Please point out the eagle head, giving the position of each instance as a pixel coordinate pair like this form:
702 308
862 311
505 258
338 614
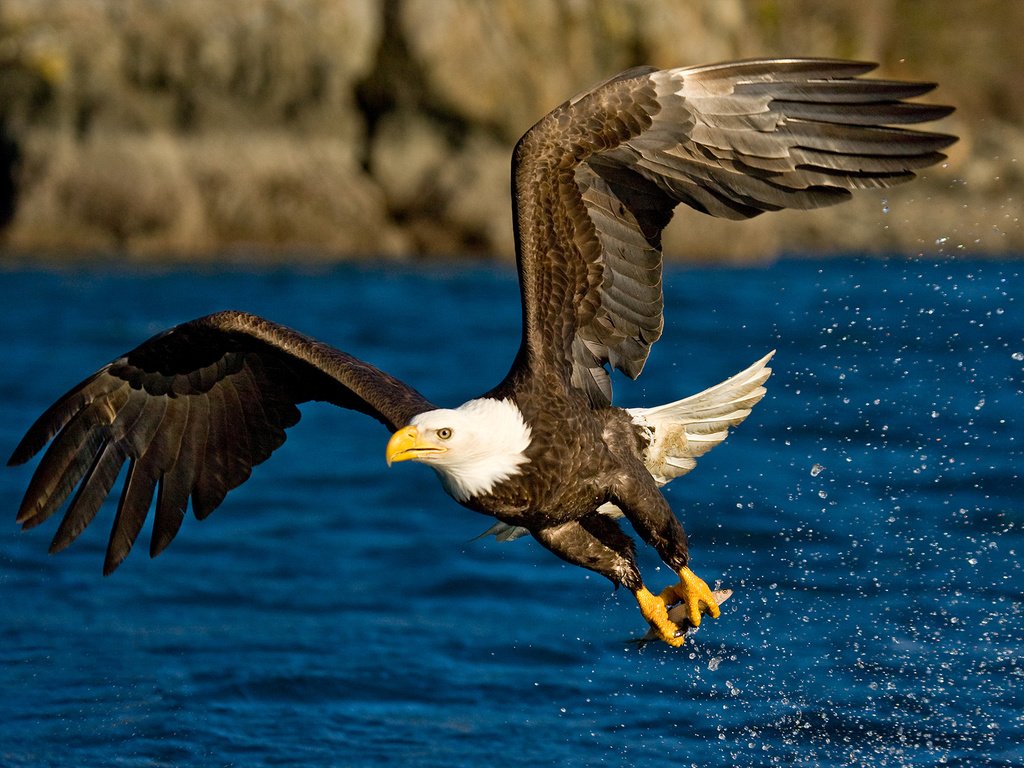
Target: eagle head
471 447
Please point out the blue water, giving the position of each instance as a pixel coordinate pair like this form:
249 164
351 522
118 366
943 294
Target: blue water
868 515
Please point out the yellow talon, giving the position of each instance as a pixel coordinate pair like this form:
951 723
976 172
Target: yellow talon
696 598
654 610
694 593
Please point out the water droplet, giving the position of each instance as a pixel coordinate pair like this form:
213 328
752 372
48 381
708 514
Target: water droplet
817 469
1018 356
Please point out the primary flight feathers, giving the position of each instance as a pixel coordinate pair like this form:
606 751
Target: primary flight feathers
597 179
192 410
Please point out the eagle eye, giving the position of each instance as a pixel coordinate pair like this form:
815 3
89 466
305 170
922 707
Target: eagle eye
444 433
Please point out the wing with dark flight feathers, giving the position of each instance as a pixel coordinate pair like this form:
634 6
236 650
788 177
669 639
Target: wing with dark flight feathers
192 411
596 181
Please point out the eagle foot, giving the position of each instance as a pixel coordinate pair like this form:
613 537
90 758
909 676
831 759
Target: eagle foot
654 609
692 592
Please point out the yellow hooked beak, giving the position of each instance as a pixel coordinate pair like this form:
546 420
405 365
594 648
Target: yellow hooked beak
407 443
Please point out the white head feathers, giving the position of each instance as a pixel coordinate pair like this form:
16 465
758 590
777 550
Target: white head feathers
485 442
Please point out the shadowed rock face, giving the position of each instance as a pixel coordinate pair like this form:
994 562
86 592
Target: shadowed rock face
10 157
364 128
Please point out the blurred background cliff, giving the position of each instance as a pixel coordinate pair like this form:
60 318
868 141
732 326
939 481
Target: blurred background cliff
328 129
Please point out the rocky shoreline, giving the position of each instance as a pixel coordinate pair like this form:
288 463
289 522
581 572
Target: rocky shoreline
360 129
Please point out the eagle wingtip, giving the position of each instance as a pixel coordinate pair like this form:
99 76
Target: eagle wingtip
22 453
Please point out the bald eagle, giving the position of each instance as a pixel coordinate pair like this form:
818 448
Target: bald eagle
195 408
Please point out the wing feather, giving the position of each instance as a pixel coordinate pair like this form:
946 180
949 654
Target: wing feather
94 488
211 483
178 473
136 496
192 411
597 179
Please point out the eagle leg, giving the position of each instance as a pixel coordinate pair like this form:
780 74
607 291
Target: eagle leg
694 593
654 609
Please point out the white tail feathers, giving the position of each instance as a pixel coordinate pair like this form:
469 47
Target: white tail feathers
682 431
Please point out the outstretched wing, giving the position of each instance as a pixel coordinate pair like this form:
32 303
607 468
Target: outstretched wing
596 181
192 411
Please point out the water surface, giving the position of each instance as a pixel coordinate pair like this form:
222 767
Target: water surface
868 516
